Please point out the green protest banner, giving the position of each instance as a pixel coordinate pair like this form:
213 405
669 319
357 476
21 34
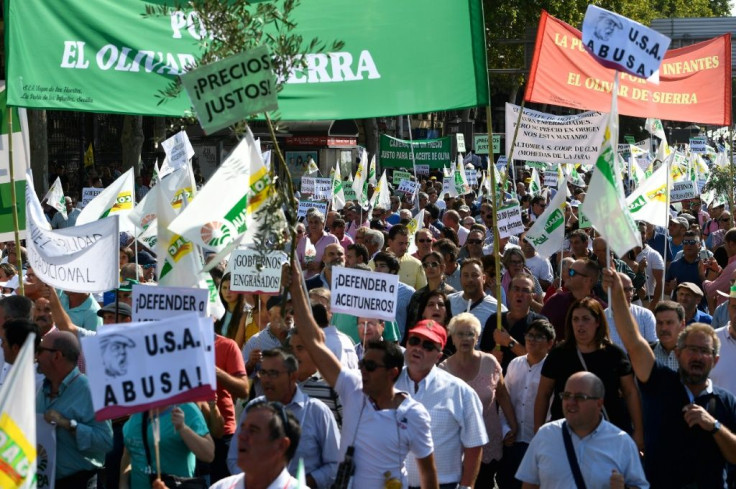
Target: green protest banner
480 143
496 144
400 175
109 57
396 153
229 90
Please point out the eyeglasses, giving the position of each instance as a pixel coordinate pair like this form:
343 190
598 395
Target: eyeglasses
43 348
424 240
369 365
628 289
474 241
464 334
430 264
426 344
535 337
699 350
572 272
569 396
690 242
270 374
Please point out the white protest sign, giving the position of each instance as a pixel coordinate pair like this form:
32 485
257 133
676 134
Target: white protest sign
697 144
46 451
89 193
623 44
460 138
255 273
178 152
78 259
152 303
551 177
308 185
305 205
555 138
472 176
448 187
363 293
322 188
133 367
422 170
684 190
509 221
408 187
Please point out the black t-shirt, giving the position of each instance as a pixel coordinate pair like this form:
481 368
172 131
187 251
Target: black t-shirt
675 454
516 330
609 364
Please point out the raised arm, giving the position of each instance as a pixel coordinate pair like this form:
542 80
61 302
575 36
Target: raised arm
642 356
314 338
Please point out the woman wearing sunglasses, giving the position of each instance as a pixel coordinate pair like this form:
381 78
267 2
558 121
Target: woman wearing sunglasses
434 269
588 347
482 372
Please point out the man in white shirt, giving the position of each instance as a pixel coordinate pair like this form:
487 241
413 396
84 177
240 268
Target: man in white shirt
269 436
451 219
539 266
522 381
458 429
473 298
654 286
606 455
643 316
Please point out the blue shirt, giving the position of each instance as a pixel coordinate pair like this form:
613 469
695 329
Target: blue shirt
318 445
700 317
85 448
659 243
85 314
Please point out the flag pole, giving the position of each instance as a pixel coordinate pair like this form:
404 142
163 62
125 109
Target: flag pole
509 162
14 198
413 163
496 247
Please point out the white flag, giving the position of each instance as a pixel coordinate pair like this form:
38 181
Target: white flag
18 421
224 208
381 194
548 231
607 210
416 223
535 186
360 182
178 151
372 172
117 199
55 197
177 188
651 201
338 194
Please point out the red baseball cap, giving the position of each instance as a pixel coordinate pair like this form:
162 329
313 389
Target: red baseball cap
431 330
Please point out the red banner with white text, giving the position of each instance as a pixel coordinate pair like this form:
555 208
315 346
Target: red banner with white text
695 81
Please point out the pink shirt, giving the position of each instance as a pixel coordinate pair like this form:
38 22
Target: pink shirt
722 283
320 245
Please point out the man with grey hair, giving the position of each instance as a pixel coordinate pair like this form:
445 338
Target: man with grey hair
373 241
451 219
66 402
611 456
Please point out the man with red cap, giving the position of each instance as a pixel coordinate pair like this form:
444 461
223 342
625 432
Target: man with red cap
458 430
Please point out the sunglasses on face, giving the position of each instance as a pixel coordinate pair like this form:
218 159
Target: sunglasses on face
369 365
424 240
572 272
426 344
431 264
474 241
690 242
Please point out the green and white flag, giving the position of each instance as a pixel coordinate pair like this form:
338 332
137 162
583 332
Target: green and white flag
651 201
117 199
535 186
55 198
177 189
381 194
548 232
637 174
360 182
21 163
338 196
461 180
372 171
225 207
607 211
655 128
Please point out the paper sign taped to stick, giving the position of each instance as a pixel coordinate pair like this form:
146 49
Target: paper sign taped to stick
178 152
229 90
153 303
422 170
623 44
362 293
322 188
305 205
89 193
509 221
255 273
551 177
697 144
139 366
684 190
408 187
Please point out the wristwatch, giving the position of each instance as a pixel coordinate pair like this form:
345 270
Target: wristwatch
463 487
512 344
72 424
716 427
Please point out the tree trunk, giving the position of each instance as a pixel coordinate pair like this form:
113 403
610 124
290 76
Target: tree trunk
370 127
132 142
37 126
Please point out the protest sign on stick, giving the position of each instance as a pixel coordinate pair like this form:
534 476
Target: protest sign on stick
362 293
153 303
253 272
